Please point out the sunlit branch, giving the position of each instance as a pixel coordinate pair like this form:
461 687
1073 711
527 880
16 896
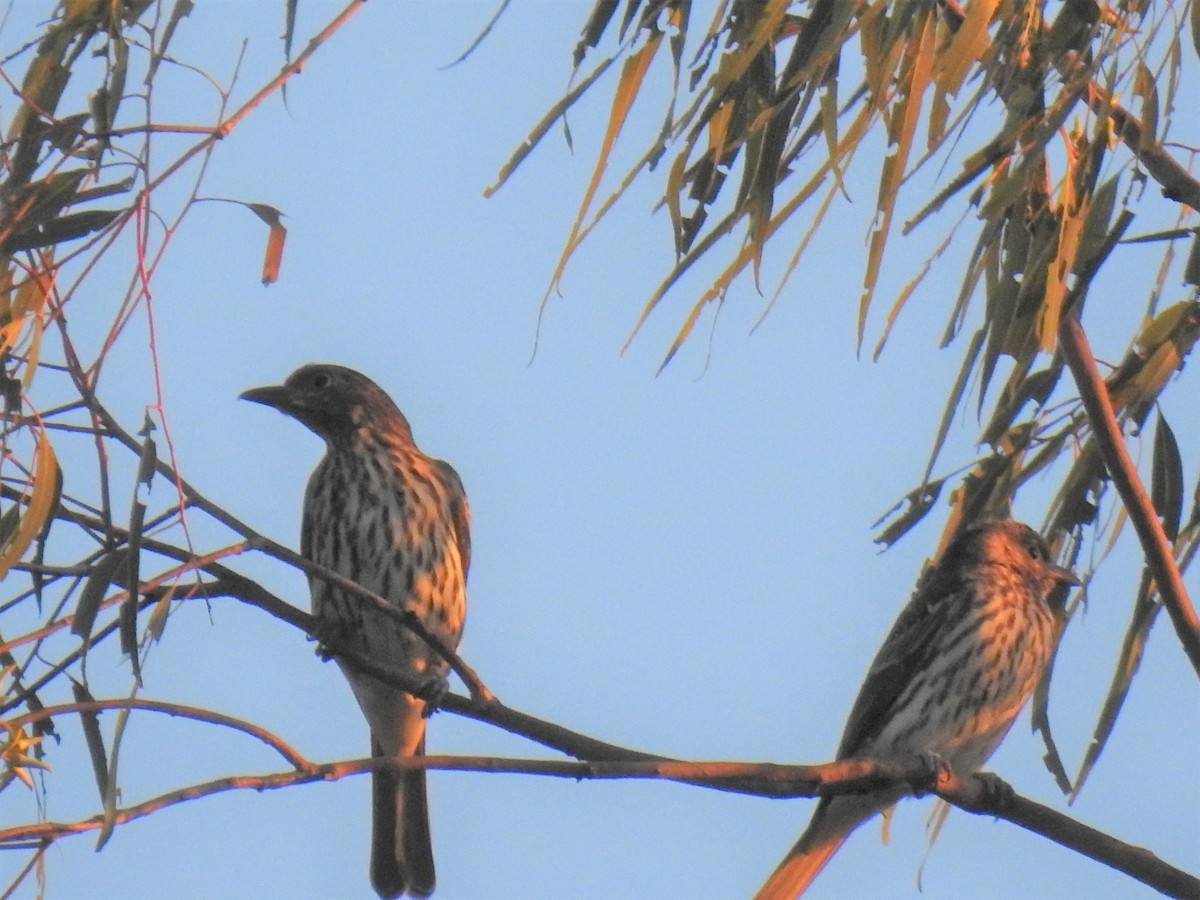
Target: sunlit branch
179 710
980 794
1159 556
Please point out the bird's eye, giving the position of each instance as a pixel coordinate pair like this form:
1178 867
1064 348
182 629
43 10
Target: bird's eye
321 380
1035 552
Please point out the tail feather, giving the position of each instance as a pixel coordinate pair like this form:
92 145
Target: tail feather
387 873
414 841
832 822
401 847
799 868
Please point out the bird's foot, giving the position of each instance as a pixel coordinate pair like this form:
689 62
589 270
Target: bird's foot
434 690
997 793
932 766
328 634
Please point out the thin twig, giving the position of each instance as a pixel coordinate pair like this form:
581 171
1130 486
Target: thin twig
180 710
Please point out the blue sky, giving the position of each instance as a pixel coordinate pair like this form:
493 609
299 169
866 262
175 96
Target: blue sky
681 563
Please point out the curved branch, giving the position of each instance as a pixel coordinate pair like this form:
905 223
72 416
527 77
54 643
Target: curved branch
980 794
976 795
1160 558
181 710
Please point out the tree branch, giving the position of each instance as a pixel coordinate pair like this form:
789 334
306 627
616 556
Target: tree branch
1177 183
975 795
1160 558
180 710
979 794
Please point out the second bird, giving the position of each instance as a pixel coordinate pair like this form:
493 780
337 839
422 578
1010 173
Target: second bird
952 675
383 514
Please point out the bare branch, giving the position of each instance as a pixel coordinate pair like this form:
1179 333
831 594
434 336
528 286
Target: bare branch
980 794
1159 556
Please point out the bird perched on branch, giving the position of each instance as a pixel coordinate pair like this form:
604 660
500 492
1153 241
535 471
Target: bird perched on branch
383 514
960 662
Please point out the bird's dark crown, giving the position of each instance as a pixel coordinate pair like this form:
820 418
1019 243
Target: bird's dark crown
1010 544
333 401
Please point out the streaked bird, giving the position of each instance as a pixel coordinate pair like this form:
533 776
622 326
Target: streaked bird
382 513
956 668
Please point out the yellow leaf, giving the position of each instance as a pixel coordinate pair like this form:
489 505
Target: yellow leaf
1056 281
850 142
44 493
967 46
718 128
904 127
674 188
28 299
1144 86
767 22
34 353
632 73
1163 325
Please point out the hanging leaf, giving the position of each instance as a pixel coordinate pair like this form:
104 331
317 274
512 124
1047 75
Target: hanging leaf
912 508
1146 87
1166 479
1039 716
278 234
90 722
108 569
44 492
892 171
632 74
969 45
1133 647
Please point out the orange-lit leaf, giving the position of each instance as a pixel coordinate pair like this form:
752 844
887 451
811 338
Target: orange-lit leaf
967 47
632 73
275 241
1056 281
892 169
42 499
539 131
718 128
1145 86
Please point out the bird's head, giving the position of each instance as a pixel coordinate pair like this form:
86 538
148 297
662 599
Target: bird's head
1014 546
333 402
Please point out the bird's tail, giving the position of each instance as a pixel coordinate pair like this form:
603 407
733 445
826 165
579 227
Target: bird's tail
800 867
835 818
401 846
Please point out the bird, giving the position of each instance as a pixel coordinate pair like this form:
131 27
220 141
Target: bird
962 658
380 512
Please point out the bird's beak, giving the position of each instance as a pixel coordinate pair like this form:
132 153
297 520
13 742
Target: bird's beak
275 396
1062 573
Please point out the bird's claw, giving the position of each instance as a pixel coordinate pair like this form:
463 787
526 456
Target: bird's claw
932 766
433 692
997 793
328 634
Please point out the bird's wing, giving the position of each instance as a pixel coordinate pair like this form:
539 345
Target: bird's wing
460 512
904 653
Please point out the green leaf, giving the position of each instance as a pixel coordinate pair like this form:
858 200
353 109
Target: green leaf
1145 611
912 508
1166 479
90 723
107 570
